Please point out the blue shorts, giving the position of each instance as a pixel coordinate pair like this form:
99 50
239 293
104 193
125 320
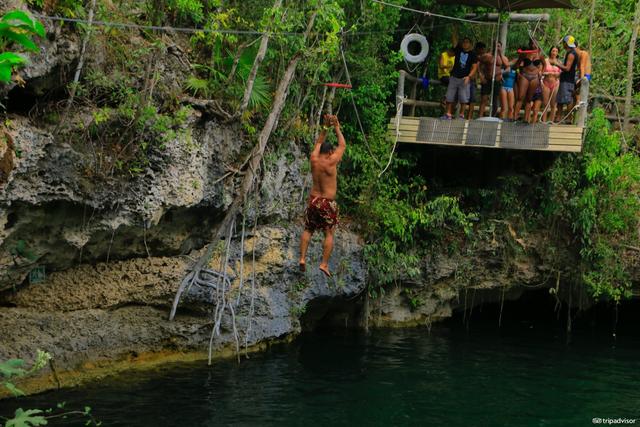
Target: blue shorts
565 93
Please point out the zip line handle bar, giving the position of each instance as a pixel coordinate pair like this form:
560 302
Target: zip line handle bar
337 85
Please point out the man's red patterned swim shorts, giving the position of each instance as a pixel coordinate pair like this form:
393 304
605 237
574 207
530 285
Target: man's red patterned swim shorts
321 214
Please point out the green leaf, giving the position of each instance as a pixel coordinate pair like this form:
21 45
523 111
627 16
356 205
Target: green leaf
12 59
38 28
13 389
17 15
18 18
22 40
5 73
12 367
28 418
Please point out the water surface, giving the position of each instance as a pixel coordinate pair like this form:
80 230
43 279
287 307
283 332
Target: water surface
514 376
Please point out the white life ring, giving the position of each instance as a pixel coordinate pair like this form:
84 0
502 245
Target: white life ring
424 47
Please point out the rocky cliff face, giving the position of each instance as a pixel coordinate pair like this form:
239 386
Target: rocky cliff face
494 271
90 271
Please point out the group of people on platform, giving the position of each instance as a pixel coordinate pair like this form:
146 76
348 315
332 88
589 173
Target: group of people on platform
546 86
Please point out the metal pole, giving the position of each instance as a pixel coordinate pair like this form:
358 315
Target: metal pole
504 29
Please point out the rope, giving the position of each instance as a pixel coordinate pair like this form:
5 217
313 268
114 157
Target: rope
533 33
193 30
575 107
436 15
546 107
355 108
400 104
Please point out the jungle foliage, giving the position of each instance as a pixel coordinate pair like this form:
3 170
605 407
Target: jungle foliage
597 196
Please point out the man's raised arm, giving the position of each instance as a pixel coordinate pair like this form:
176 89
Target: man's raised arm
342 145
454 36
319 141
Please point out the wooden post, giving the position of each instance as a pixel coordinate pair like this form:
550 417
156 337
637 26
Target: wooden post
584 98
504 30
414 91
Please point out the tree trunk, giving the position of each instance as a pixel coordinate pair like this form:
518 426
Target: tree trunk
632 48
262 50
76 77
593 12
251 173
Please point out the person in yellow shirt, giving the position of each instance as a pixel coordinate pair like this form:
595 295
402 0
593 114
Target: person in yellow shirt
445 65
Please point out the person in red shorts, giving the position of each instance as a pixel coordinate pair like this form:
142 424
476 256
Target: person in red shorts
322 209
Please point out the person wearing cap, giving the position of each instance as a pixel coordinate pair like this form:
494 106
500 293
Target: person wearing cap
479 49
567 74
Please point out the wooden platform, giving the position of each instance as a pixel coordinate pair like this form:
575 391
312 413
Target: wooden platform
477 133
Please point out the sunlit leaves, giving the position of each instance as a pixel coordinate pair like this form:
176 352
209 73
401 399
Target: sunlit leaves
17 27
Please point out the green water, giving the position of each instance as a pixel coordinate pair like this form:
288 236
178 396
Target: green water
519 375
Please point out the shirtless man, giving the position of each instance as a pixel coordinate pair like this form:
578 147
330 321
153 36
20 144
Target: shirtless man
322 210
486 67
583 71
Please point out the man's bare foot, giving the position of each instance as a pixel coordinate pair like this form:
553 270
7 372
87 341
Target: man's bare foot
325 270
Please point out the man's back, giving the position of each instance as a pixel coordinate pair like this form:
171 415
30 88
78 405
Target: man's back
584 62
324 172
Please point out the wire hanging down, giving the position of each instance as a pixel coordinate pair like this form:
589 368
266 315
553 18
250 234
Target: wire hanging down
355 108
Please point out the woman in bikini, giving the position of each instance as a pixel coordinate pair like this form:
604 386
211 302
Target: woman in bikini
529 63
551 82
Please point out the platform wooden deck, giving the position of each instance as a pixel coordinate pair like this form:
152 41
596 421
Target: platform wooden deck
477 133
